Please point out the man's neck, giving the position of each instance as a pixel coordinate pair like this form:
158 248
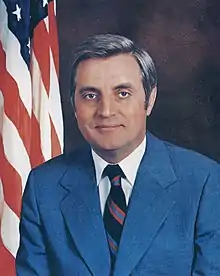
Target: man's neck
115 156
111 157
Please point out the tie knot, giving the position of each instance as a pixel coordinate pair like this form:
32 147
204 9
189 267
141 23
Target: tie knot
114 173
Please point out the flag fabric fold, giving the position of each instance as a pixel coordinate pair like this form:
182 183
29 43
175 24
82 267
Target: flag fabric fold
31 123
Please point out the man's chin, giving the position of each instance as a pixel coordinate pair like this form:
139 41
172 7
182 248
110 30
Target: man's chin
107 148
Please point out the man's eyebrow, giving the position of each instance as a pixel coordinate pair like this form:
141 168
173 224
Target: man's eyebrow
84 89
125 85
89 89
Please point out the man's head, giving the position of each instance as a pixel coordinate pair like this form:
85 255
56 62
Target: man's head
107 45
113 86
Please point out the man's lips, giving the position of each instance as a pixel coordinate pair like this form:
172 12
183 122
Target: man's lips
107 127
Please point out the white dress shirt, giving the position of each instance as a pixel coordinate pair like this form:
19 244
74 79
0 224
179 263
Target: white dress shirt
129 165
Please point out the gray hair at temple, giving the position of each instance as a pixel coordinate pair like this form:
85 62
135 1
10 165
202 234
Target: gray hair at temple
107 45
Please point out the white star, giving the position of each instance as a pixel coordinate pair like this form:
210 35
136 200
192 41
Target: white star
17 12
45 2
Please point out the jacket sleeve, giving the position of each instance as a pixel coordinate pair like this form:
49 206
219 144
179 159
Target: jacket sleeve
207 230
31 259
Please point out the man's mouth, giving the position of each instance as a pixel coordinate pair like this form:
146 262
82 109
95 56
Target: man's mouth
107 127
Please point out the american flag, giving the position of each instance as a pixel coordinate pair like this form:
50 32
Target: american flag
31 124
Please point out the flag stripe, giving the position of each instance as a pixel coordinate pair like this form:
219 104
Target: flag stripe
11 182
7 260
54 103
53 36
9 230
41 108
19 115
41 52
36 151
56 149
13 148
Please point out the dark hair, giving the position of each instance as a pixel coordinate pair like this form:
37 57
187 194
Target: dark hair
107 45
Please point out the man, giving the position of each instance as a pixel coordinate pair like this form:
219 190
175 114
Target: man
129 203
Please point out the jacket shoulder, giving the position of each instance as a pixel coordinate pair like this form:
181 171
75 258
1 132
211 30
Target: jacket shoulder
185 160
189 157
56 167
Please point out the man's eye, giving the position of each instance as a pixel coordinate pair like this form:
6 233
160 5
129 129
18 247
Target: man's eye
124 94
90 96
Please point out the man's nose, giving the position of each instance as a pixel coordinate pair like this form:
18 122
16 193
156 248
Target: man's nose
106 107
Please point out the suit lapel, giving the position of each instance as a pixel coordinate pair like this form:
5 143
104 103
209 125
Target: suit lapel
82 214
150 203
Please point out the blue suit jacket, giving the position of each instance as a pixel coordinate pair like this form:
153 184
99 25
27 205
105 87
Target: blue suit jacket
172 225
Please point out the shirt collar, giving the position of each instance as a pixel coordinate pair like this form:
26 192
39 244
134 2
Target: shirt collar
129 165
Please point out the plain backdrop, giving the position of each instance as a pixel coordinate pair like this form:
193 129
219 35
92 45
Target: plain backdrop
183 38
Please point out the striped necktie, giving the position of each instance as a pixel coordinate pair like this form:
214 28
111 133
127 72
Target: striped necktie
115 209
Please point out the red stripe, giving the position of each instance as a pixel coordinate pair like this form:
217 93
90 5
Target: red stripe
118 209
114 215
36 155
7 262
13 105
40 44
11 181
112 245
115 178
55 144
53 35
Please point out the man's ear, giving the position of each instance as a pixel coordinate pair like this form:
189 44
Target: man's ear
151 100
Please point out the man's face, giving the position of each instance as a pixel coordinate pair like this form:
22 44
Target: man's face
110 104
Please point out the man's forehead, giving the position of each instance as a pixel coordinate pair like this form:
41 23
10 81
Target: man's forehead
113 66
